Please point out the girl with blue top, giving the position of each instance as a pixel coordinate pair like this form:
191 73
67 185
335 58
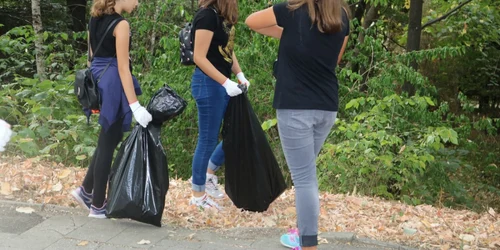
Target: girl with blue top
118 89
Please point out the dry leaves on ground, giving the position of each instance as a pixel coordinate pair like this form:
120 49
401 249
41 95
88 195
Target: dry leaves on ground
422 226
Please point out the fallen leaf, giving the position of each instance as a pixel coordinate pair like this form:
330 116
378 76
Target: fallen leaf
58 187
190 237
63 174
5 189
83 243
402 149
467 237
445 247
47 199
494 244
409 231
25 210
144 242
491 228
426 223
492 212
290 210
322 240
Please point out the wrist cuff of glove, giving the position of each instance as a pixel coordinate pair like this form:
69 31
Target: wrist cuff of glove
240 76
134 106
226 82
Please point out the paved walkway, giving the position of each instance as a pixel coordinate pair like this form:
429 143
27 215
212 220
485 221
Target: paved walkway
52 227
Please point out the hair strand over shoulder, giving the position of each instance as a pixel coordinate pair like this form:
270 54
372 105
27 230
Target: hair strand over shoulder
326 14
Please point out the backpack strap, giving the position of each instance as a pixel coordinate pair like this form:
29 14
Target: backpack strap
102 39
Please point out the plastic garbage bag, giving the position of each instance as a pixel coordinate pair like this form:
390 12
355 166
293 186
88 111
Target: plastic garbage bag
253 178
139 178
165 105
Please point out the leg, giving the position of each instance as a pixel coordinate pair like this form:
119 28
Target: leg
88 181
211 100
106 145
216 160
322 129
297 139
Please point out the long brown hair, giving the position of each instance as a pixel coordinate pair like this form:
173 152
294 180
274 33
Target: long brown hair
226 8
102 7
326 14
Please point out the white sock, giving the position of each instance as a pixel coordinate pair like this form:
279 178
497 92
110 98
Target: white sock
200 198
209 176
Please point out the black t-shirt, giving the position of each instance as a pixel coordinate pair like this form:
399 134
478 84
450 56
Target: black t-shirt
97 27
307 60
221 48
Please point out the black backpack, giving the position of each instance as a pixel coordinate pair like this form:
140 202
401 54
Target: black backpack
85 87
186 42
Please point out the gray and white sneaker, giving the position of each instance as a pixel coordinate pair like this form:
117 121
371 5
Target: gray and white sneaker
212 188
204 202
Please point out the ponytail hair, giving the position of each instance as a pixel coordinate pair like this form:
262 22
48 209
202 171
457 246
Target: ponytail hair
102 7
326 14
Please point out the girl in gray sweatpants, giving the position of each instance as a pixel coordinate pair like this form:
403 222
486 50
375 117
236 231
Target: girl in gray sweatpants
313 35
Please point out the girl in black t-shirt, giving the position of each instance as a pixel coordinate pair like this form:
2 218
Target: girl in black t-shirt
313 35
214 34
110 66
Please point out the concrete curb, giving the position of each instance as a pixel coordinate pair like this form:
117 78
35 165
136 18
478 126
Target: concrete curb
347 237
47 208
342 237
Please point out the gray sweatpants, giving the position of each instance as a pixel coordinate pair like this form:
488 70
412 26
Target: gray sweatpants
302 134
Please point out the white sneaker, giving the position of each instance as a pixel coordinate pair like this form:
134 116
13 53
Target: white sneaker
204 202
212 189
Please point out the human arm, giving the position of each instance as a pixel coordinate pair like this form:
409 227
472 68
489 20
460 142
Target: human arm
236 69
122 35
264 22
342 50
202 41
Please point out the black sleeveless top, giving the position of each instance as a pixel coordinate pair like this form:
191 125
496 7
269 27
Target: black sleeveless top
97 27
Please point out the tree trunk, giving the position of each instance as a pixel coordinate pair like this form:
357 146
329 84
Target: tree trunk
414 33
38 27
77 10
359 12
484 104
153 33
370 17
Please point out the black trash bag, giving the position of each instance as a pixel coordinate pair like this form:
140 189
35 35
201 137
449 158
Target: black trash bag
253 178
165 105
139 178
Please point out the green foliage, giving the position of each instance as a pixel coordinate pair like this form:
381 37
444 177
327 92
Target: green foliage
48 121
388 149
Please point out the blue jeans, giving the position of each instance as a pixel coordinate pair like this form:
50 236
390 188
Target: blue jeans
302 134
211 101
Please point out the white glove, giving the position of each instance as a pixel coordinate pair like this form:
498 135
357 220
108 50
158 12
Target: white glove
243 80
5 134
231 88
141 115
